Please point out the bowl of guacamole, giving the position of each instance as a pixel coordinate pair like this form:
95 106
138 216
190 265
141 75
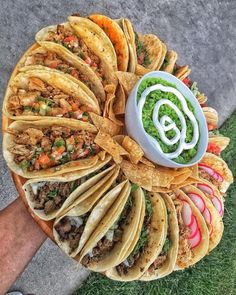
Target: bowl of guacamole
165 118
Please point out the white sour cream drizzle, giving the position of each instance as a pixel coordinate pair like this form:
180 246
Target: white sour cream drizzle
166 123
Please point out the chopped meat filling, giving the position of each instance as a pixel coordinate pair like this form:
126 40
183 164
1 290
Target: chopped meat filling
49 196
54 61
185 254
70 230
76 45
203 174
36 149
41 99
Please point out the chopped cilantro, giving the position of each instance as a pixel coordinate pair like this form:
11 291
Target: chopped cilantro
134 187
52 194
166 246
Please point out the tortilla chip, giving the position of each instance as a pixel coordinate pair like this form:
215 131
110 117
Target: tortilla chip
133 149
160 189
120 100
109 111
184 174
110 88
104 124
102 155
138 173
182 72
194 170
127 80
106 142
147 162
119 138
162 176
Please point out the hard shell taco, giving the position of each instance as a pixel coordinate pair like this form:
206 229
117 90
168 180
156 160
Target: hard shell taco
107 244
49 147
51 55
41 93
169 61
65 40
192 246
146 245
215 170
73 229
117 37
165 262
217 143
209 212
50 196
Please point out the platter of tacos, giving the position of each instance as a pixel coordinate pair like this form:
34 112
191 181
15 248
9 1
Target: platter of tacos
82 166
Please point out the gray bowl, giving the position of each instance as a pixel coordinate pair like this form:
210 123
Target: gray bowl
136 130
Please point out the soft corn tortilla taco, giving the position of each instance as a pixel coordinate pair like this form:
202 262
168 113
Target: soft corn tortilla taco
114 235
49 197
117 37
42 93
169 61
72 230
147 246
95 38
215 170
192 247
211 216
63 39
165 262
53 56
49 147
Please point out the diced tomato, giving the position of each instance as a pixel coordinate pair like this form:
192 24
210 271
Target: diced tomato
54 64
70 39
211 127
213 148
58 152
78 114
36 165
203 105
43 159
186 81
84 153
74 73
88 61
74 107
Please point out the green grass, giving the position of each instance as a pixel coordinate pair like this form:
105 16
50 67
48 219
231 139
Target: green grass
214 275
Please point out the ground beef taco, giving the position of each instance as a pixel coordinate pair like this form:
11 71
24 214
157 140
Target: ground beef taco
49 197
106 246
146 245
49 147
73 229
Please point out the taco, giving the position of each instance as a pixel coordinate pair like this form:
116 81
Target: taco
114 235
51 55
217 143
181 72
169 61
63 39
211 116
49 197
164 263
49 147
209 212
73 229
146 245
192 248
212 193
41 93
117 37
215 170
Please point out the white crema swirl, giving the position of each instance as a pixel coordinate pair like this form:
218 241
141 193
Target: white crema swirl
165 123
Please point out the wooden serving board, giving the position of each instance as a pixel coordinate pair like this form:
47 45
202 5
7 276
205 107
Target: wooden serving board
46 226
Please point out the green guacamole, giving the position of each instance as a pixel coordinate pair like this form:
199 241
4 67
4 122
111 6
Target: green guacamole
150 128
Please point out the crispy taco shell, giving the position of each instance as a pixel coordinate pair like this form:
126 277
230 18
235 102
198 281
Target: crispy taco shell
156 239
129 227
199 251
101 209
173 235
16 126
219 140
211 116
169 62
90 180
216 227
